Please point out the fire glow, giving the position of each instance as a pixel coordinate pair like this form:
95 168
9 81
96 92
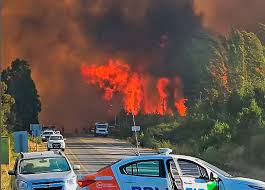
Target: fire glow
136 89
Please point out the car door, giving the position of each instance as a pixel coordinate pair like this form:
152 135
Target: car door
173 175
193 176
144 175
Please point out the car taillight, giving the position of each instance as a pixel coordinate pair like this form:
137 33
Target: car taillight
85 182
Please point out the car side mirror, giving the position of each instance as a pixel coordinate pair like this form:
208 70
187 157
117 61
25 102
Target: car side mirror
214 177
76 167
11 172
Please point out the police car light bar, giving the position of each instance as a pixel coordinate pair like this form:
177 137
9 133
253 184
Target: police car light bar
165 151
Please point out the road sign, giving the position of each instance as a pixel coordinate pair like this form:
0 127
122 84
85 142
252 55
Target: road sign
136 128
21 141
36 129
5 150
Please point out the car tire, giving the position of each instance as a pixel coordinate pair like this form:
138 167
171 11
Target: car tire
63 149
49 149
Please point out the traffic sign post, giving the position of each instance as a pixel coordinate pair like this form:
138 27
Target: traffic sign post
36 129
36 132
136 128
5 150
21 141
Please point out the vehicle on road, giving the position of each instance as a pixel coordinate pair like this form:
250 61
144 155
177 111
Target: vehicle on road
101 129
43 170
165 171
56 141
46 135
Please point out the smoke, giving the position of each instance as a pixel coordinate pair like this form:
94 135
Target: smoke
55 37
220 15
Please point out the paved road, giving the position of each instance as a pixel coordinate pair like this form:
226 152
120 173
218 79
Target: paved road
95 153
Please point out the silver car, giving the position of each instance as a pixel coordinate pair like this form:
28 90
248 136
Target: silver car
43 170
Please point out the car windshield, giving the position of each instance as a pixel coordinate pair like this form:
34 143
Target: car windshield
47 133
44 165
55 138
101 126
215 169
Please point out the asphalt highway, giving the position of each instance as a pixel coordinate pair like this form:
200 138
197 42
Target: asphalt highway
94 153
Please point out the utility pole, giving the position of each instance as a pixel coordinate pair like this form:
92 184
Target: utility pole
136 136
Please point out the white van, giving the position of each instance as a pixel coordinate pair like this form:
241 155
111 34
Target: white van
101 129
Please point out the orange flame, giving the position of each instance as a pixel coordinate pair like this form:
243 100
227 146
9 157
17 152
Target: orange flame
180 105
161 88
136 89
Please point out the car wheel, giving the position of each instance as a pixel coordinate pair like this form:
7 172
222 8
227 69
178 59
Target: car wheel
49 149
63 149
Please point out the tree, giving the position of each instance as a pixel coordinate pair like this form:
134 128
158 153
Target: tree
6 105
21 86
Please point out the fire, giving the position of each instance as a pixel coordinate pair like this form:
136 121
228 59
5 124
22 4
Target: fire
180 105
163 96
140 92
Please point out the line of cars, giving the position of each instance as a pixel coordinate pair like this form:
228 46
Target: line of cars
48 170
51 170
163 171
54 139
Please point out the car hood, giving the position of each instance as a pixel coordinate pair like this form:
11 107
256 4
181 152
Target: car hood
47 176
248 181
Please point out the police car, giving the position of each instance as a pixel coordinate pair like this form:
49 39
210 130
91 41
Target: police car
164 171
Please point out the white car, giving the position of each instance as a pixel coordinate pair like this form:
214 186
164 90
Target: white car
46 135
165 171
43 171
56 141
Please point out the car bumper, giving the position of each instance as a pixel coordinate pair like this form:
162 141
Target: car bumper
50 186
102 133
56 147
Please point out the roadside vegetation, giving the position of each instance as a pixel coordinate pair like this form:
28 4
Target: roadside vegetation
225 123
20 106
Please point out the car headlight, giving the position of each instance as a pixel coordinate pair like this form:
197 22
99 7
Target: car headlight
71 181
256 187
22 184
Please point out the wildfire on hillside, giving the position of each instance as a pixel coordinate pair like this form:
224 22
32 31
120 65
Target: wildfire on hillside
140 91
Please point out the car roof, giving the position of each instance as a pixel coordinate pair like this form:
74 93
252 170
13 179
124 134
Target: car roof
158 156
32 155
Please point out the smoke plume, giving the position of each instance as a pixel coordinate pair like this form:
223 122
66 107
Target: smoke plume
56 37
220 15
